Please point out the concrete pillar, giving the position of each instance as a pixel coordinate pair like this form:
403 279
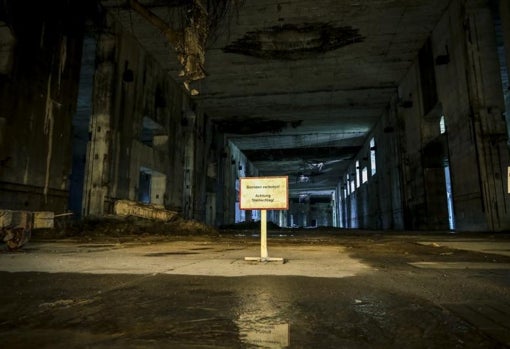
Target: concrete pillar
487 105
504 13
98 148
3 143
210 217
7 43
158 188
189 163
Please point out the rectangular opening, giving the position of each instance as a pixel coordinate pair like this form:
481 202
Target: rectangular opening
373 165
358 181
151 187
144 186
364 175
152 134
449 198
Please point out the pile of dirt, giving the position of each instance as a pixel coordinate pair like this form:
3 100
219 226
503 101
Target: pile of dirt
116 226
249 225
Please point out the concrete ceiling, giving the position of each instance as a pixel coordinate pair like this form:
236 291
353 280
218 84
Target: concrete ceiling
296 83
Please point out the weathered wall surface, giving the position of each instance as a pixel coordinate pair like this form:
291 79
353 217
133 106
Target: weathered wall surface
470 94
376 203
204 174
411 135
453 94
456 76
149 143
38 87
234 165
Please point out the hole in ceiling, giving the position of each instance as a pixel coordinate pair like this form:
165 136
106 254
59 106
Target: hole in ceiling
292 42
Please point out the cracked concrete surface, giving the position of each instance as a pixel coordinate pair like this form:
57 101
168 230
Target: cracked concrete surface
335 291
181 258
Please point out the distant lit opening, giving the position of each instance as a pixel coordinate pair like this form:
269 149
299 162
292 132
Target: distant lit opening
240 214
364 175
442 125
144 186
373 165
448 181
151 186
353 184
358 182
303 198
354 213
152 133
348 184
449 198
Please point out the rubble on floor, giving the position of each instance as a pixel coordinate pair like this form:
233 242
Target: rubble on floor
112 226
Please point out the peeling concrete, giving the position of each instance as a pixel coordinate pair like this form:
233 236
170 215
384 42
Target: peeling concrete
293 42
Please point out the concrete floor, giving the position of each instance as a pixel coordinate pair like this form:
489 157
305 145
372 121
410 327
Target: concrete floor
333 291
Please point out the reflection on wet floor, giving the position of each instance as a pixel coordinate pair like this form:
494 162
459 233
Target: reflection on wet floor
273 336
376 294
261 322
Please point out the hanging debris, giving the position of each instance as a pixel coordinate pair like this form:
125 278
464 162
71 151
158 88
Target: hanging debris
192 57
190 41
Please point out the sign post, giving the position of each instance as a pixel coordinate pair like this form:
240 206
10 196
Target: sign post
263 235
263 193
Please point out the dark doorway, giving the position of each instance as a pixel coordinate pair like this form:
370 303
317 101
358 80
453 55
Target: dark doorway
81 121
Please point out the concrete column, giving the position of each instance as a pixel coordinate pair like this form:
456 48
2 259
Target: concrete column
3 143
504 13
158 188
189 164
486 99
210 218
98 148
7 43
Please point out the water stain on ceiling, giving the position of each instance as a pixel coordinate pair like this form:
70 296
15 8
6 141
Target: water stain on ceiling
293 42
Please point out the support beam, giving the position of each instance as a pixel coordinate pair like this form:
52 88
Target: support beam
175 38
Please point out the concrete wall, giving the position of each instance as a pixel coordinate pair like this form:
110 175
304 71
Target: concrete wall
204 175
470 93
234 165
408 190
38 88
376 203
143 122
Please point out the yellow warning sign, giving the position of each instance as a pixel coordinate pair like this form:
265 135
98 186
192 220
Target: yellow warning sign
508 179
264 193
